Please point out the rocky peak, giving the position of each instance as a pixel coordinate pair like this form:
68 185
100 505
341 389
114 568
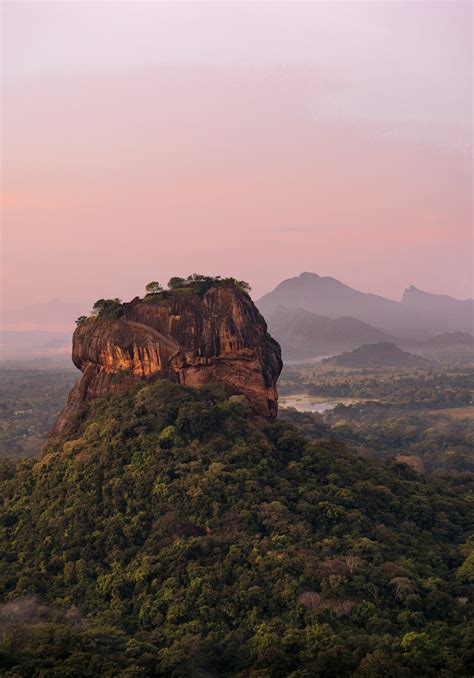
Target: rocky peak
195 339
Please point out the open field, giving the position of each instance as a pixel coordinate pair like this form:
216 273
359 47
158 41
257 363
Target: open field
457 412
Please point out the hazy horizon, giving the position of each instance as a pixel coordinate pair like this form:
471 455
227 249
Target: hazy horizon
258 140
141 291
62 312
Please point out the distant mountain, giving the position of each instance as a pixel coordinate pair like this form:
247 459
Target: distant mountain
439 309
383 354
302 334
457 345
451 339
331 298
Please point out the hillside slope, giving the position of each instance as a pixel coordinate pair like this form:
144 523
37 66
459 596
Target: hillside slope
451 345
382 354
302 334
173 534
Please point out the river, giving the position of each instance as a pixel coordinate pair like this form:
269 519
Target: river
306 403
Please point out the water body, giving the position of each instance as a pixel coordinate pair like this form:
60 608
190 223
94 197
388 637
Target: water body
306 403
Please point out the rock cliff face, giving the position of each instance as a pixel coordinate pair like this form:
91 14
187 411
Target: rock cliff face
196 340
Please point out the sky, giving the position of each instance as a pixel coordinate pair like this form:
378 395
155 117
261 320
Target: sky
142 140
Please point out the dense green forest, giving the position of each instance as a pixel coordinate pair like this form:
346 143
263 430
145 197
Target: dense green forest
30 401
175 534
431 442
423 416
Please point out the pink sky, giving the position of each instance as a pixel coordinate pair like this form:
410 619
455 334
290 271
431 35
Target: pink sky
144 140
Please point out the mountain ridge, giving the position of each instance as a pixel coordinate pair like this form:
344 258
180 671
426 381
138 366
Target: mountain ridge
412 291
418 315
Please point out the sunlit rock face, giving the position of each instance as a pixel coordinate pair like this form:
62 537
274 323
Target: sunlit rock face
195 340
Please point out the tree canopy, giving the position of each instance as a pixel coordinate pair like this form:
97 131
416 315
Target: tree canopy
175 534
153 287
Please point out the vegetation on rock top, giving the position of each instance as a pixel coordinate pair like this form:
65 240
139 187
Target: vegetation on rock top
194 284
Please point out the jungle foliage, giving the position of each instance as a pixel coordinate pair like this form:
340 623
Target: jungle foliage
174 534
199 284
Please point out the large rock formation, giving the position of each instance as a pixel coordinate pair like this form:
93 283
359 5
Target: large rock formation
217 337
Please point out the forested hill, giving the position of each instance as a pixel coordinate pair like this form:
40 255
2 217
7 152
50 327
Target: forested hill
175 534
382 354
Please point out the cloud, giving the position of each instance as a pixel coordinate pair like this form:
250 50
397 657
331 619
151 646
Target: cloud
28 610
